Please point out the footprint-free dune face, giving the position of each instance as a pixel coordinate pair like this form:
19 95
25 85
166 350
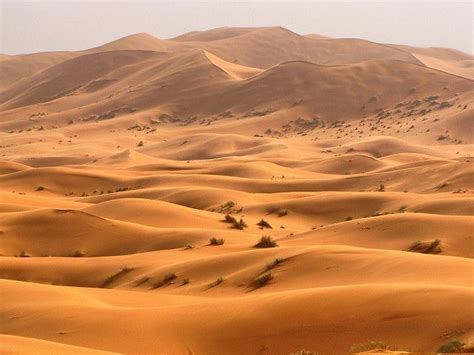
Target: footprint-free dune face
236 191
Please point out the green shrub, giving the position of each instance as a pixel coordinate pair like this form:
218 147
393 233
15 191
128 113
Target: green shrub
429 247
266 242
216 241
452 346
218 281
264 224
235 223
273 264
262 280
166 280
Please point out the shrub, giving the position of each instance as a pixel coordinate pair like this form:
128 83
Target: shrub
39 188
166 280
218 281
229 219
348 218
264 224
451 346
281 212
371 345
273 264
262 280
140 144
402 209
216 241
235 223
429 247
78 254
141 281
381 188
266 242
114 277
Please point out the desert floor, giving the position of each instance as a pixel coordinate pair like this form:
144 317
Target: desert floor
119 164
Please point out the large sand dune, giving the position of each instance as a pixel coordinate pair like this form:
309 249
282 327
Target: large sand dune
120 163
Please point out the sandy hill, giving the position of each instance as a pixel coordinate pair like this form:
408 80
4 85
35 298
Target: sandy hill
138 179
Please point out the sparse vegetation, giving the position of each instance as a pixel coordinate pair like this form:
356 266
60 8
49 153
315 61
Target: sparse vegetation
262 280
23 254
78 254
371 345
237 224
428 247
141 281
273 264
114 277
381 188
216 241
281 212
402 209
167 279
266 242
217 282
140 144
264 224
452 346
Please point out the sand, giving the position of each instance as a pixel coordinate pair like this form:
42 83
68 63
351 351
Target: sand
119 164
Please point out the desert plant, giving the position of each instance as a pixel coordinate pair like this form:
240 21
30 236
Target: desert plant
216 241
381 188
115 276
262 280
140 144
266 242
281 212
273 264
166 280
228 205
141 281
39 188
429 247
402 209
264 224
242 224
217 282
237 224
348 218
452 346
229 219
78 254
371 345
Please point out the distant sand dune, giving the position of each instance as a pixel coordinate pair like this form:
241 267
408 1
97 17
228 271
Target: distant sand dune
138 179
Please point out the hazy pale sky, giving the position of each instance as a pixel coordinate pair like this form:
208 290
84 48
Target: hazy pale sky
34 26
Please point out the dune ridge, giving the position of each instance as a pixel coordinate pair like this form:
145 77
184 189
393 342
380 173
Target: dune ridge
236 190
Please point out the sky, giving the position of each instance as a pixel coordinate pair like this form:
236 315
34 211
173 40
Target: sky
38 26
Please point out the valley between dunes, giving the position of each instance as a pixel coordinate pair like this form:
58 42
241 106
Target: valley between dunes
119 165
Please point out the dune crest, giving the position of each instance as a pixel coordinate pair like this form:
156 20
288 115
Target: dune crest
236 191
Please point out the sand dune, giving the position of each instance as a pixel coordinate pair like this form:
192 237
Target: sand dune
137 179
